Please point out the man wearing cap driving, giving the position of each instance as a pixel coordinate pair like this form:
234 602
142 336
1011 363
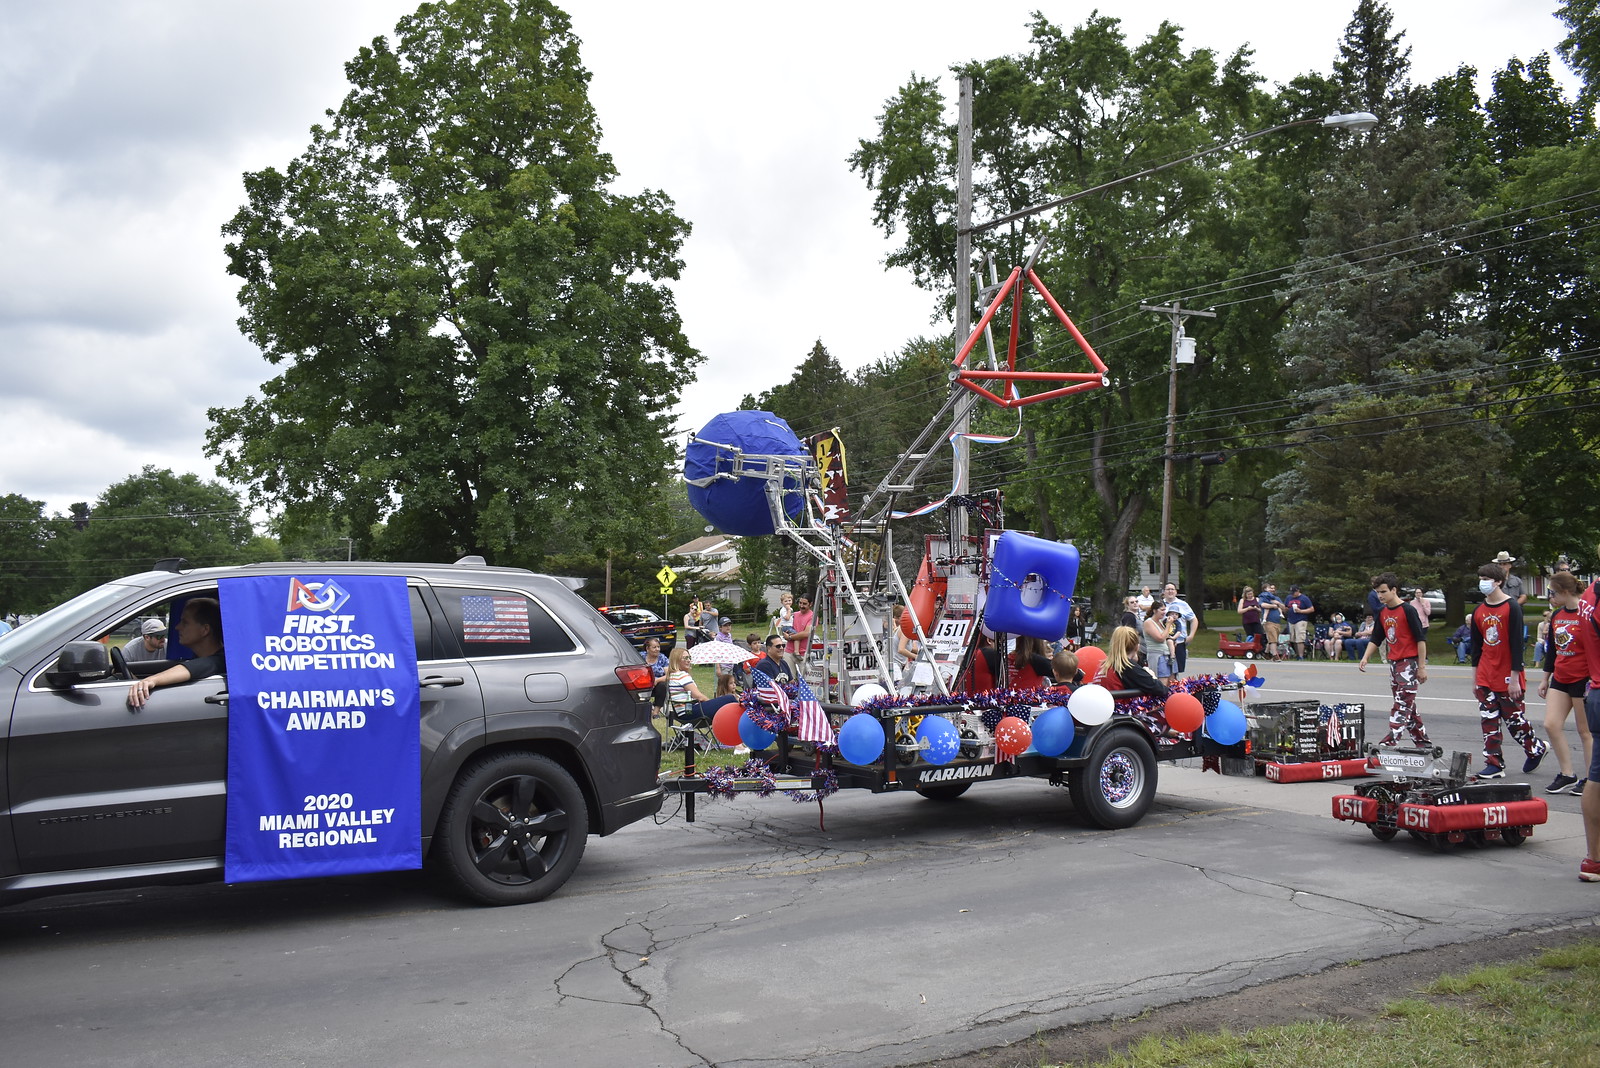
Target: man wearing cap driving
1513 585
151 644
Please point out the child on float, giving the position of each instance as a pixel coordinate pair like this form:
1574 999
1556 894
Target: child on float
1030 663
1064 666
1121 669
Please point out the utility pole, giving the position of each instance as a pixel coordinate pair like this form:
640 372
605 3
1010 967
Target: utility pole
1177 314
968 400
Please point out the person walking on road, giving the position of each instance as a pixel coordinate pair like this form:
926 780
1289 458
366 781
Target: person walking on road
1497 641
1399 631
1589 867
1566 678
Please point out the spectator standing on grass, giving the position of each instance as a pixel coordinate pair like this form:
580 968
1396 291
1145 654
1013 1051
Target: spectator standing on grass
1146 600
1513 585
1398 630
1187 621
1300 608
1157 639
1566 678
1271 615
1497 641
691 625
1250 613
1131 613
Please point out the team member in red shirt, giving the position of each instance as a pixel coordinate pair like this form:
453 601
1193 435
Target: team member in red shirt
1566 678
1589 869
1497 640
1399 630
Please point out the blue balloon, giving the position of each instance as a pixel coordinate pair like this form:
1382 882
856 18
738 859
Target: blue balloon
1053 731
1226 725
939 738
753 734
861 739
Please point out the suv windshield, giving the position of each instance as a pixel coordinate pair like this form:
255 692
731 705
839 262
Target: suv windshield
56 626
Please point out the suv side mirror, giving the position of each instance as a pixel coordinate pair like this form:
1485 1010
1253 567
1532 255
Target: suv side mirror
80 662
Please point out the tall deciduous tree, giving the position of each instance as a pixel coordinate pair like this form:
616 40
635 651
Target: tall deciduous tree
156 514
474 332
30 570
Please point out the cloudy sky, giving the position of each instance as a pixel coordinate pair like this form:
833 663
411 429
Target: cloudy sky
128 124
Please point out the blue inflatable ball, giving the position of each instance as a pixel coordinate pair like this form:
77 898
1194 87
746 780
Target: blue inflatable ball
753 734
861 739
739 505
939 739
1053 731
1226 726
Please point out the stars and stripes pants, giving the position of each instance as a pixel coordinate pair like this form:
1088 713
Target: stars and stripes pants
1494 708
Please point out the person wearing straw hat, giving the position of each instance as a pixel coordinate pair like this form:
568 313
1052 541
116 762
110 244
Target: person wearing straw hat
1513 585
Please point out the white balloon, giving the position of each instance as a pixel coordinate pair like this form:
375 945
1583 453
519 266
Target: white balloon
869 692
1091 705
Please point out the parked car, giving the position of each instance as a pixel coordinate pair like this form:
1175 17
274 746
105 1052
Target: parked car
529 744
638 624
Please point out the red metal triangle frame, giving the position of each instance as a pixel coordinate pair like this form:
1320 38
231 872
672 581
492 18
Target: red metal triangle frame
972 378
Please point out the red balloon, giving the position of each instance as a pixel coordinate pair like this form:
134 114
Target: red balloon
1090 658
1012 736
725 724
1185 712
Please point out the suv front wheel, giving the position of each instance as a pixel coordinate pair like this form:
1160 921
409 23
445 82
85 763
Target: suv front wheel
513 828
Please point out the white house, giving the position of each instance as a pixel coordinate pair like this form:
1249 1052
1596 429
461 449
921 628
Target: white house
1145 567
710 567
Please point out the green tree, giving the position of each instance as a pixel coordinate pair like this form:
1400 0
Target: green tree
476 340
1075 110
1408 482
31 573
156 514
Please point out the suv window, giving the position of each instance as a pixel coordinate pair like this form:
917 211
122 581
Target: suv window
502 623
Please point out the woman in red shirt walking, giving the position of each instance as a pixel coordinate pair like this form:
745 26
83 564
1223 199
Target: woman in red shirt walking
1566 679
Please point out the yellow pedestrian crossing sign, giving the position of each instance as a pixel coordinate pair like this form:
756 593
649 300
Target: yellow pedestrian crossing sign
667 577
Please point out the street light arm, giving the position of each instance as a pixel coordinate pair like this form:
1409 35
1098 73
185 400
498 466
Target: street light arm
1356 121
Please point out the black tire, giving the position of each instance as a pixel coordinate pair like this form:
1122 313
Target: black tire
944 791
1439 842
1512 836
513 829
1118 785
1383 834
119 664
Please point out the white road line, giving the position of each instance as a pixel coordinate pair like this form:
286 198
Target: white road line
1422 695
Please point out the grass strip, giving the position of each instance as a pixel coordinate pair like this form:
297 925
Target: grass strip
1542 1011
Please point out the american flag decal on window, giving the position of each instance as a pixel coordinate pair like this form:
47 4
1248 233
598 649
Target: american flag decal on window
494 619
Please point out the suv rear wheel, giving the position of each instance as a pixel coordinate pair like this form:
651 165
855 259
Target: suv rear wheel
513 828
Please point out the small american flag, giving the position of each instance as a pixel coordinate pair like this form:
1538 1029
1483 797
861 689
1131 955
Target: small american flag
1334 731
814 726
813 722
494 619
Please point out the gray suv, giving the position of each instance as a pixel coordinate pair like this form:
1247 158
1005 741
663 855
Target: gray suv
527 748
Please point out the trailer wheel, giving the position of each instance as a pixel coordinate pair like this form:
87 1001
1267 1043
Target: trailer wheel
1383 834
946 792
1118 784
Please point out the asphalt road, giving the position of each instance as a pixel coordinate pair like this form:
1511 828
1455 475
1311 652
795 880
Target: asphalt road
905 930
